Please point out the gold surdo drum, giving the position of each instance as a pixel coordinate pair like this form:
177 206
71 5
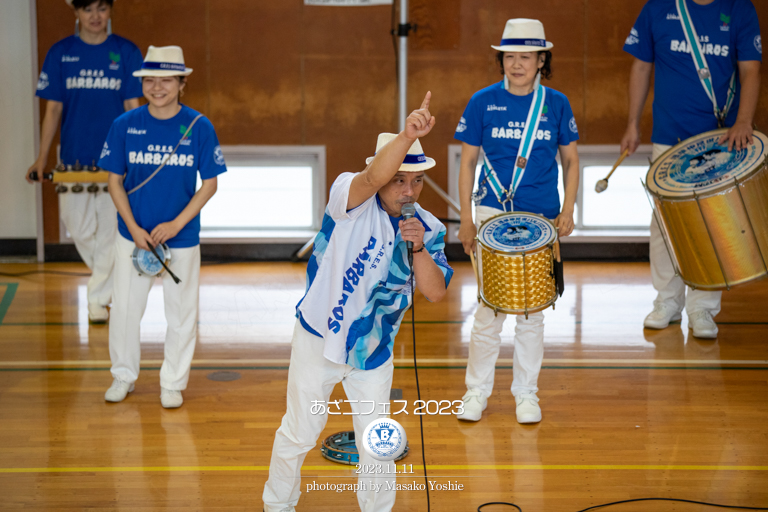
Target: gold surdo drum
515 271
712 207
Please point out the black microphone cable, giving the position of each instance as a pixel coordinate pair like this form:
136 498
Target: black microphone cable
416 371
408 211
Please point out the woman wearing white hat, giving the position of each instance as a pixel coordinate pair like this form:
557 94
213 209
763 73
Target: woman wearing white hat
86 80
496 119
155 153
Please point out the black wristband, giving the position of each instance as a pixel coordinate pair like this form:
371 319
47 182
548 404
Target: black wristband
422 248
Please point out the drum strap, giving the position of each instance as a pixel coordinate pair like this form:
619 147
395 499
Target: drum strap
523 152
700 62
167 158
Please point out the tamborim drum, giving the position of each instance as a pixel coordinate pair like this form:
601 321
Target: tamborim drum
146 262
516 263
340 447
712 207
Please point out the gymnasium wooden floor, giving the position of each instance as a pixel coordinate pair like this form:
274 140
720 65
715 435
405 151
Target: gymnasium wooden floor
628 413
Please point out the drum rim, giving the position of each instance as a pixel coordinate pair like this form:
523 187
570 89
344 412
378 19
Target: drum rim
166 252
719 189
517 253
524 311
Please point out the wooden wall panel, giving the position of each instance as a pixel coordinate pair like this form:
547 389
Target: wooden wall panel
279 72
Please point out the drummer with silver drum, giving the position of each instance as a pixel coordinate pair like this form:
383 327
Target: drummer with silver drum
520 125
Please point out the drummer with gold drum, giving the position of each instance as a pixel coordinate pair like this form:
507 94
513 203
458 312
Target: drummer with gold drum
697 88
520 125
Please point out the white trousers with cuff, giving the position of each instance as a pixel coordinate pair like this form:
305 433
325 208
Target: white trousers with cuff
670 288
312 377
91 220
485 343
181 311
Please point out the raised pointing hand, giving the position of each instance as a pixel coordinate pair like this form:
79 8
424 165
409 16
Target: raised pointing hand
420 122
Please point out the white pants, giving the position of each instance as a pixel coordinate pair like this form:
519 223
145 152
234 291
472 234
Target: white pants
671 288
312 377
181 309
91 220
485 342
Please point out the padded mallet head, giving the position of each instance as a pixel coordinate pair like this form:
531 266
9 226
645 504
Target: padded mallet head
601 186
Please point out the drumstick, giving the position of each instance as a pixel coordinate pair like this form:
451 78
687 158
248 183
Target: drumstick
477 276
175 279
601 185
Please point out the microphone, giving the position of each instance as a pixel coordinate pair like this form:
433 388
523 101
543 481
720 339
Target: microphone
409 211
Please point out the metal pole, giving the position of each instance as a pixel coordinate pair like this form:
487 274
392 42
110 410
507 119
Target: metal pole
402 70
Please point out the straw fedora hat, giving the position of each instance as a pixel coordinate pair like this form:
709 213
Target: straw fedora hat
414 161
523 35
163 61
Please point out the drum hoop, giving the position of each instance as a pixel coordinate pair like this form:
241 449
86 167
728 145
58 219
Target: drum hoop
517 311
162 248
333 450
516 253
719 189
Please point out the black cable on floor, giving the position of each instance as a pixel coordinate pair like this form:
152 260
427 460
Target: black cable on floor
418 391
479 509
674 499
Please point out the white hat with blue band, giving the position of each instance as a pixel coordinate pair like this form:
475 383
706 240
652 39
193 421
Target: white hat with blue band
163 61
414 161
523 35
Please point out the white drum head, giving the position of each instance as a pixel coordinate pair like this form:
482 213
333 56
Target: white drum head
146 262
516 232
700 165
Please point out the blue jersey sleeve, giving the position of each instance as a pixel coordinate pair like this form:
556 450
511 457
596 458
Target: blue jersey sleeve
749 44
639 43
470 128
50 85
210 158
568 130
113 153
133 63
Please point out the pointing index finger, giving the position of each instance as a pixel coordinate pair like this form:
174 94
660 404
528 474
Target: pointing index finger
425 103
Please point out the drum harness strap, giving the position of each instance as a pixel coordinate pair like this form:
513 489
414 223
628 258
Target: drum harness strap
523 153
700 62
167 158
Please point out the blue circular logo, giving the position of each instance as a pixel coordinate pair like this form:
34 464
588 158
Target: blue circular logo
700 165
146 262
516 232
384 439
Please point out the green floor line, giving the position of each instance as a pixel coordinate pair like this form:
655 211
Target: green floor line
426 367
5 303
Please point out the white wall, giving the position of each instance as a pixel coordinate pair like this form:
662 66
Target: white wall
18 215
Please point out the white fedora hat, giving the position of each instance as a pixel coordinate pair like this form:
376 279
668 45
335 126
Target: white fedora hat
414 161
163 61
523 35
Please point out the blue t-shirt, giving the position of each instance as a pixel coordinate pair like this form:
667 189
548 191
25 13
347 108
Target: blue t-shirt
138 143
728 32
495 119
92 81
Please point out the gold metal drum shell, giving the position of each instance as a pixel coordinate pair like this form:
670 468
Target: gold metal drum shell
726 230
510 287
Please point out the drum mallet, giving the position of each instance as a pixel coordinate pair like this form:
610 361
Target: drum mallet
603 184
175 279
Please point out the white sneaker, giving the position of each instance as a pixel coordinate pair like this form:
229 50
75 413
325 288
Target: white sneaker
97 314
660 317
702 324
118 391
474 405
170 398
528 410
